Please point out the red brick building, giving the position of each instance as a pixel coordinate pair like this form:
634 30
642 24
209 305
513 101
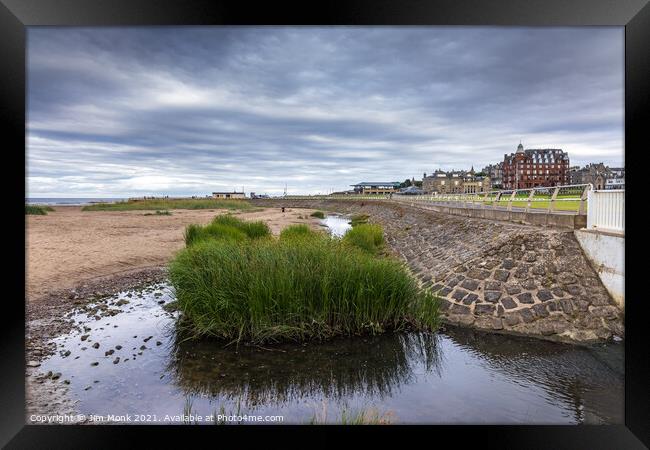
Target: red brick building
535 167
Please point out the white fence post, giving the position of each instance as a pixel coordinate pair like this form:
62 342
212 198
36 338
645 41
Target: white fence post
606 210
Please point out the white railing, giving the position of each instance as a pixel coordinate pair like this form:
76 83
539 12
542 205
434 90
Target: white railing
567 198
606 210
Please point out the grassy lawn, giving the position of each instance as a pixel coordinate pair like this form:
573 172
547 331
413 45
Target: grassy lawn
166 204
562 203
566 205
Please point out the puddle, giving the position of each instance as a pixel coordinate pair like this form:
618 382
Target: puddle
337 224
450 377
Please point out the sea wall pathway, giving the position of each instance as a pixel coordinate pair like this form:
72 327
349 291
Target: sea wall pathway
491 275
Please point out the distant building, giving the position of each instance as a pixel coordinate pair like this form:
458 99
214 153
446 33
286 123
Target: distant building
575 177
254 195
535 167
615 183
411 190
376 188
599 175
455 182
233 194
617 172
495 172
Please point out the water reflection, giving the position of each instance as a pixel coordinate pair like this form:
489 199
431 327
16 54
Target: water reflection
374 366
453 376
586 380
338 225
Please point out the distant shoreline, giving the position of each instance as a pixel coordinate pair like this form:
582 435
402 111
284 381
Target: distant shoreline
78 201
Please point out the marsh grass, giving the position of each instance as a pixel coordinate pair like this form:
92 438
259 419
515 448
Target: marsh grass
367 237
40 210
294 289
226 227
318 214
297 231
166 204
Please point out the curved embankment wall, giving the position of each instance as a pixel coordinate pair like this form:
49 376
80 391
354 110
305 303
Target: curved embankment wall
491 275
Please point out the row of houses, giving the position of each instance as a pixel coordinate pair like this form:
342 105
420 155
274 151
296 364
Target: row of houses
599 175
456 182
522 169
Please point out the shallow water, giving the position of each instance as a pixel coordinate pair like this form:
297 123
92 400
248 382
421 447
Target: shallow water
452 376
337 224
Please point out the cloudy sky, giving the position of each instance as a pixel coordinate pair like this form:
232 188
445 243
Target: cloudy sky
186 111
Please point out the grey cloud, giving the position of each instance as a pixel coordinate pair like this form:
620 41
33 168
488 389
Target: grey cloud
117 112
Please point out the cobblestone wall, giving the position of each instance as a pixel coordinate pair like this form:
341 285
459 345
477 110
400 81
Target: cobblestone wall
496 276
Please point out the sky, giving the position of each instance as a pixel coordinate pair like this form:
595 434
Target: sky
121 112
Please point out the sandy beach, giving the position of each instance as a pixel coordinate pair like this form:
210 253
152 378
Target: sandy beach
70 246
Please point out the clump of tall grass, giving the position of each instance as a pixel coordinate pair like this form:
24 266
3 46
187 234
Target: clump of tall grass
270 290
39 210
226 227
297 231
253 230
367 237
159 213
195 233
359 219
166 204
318 214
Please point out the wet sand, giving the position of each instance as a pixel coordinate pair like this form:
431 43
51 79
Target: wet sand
69 246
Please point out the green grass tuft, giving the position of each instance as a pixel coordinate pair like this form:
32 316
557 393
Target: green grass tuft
253 230
367 237
318 214
297 231
226 227
40 210
270 290
159 213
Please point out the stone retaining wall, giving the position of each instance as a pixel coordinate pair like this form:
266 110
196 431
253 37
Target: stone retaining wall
492 275
558 220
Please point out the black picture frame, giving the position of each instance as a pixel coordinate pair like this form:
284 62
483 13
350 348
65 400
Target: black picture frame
634 15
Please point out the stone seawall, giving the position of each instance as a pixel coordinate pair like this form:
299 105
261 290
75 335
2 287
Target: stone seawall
492 275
